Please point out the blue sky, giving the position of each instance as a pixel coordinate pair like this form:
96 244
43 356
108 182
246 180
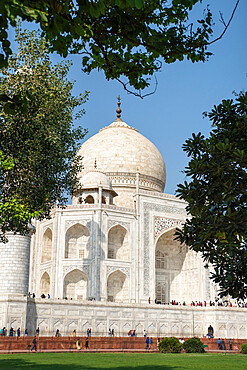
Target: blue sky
185 91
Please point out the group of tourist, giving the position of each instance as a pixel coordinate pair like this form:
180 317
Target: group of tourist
204 304
131 333
111 332
12 332
222 345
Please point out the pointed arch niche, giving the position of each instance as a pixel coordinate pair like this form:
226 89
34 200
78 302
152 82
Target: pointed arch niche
47 246
117 287
177 270
45 284
118 243
75 285
77 240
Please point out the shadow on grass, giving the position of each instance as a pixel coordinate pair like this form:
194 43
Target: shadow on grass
15 364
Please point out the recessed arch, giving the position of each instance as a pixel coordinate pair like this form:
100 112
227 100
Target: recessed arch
117 287
89 199
47 246
118 243
77 242
103 199
45 284
75 285
169 260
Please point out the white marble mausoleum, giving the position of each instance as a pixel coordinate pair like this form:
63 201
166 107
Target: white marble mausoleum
110 260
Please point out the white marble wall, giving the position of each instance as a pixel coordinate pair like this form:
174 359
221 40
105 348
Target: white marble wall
157 320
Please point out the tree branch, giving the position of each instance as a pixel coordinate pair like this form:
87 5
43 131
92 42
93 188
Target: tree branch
139 95
226 25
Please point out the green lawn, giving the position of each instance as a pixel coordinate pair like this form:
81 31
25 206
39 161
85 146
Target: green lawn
145 361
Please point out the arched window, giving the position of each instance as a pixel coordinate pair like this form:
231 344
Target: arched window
47 246
77 242
75 285
45 284
159 260
103 200
89 199
161 294
117 287
118 245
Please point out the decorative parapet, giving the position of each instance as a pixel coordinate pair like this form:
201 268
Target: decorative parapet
128 178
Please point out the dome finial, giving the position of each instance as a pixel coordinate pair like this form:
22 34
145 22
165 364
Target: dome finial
118 108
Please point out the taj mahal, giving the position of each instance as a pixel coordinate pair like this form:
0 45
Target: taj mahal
109 260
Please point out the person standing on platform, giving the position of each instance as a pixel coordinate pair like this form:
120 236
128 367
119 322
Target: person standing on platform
18 332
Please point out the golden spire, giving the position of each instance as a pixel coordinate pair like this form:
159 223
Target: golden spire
118 108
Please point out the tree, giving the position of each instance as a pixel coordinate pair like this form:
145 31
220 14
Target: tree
124 38
217 196
37 140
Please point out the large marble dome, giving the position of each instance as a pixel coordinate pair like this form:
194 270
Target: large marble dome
120 152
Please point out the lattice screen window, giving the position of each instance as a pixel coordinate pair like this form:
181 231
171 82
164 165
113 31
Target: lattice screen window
80 297
159 260
111 253
81 253
160 294
110 298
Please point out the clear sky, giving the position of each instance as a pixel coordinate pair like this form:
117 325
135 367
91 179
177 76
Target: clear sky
185 90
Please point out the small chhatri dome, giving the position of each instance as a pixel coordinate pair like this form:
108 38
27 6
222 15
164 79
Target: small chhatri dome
94 179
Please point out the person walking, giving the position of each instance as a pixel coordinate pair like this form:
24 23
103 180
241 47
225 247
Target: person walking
18 332
147 343
37 332
144 333
34 344
230 344
219 343
86 344
78 344
151 343
223 344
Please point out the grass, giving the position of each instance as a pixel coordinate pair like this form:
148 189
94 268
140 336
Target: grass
145 361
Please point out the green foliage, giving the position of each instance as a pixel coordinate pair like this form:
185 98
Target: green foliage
217 197
123 38
12 211
37 139
244 348
170 345
193 345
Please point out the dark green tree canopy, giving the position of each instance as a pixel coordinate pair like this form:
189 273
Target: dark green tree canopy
124 38
38 137
217 196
